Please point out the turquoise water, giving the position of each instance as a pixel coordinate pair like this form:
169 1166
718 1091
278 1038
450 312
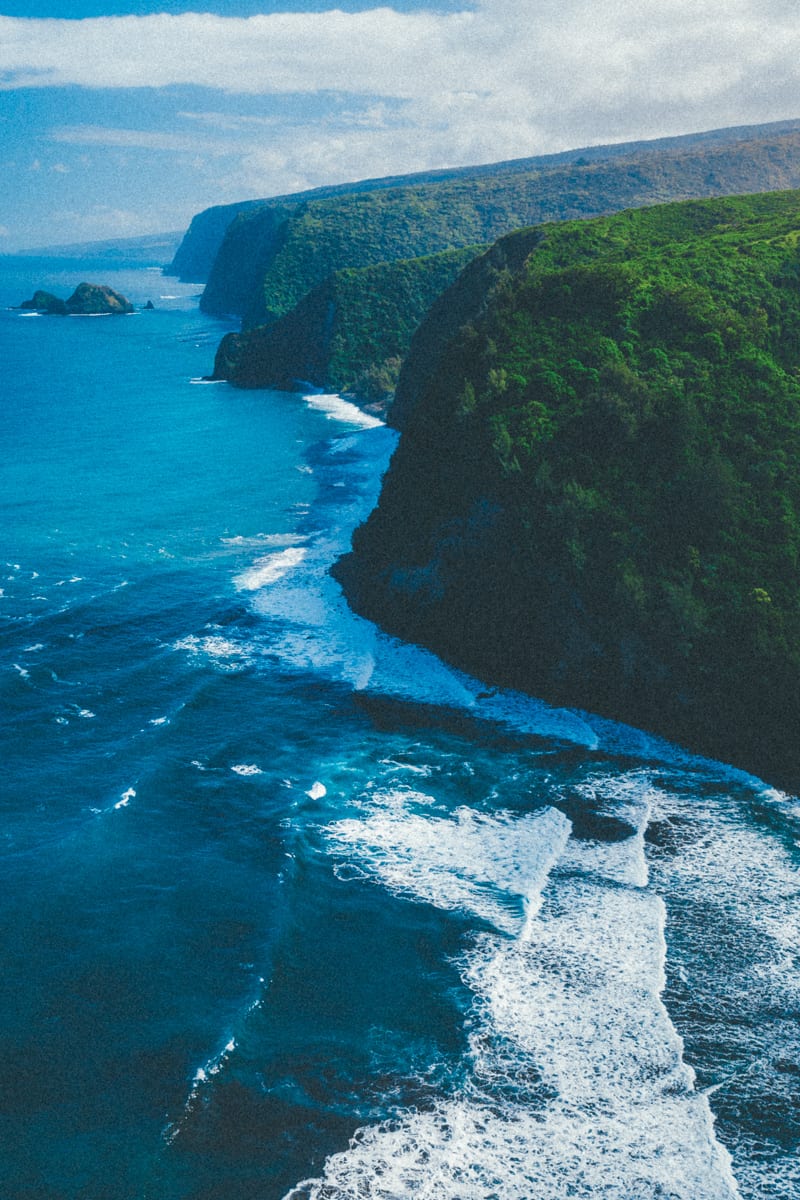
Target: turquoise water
290 908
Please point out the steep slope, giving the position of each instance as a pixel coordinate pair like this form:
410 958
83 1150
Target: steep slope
201 242
195 255
596 496
348 333
273 254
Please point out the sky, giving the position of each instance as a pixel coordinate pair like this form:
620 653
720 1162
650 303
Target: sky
127 118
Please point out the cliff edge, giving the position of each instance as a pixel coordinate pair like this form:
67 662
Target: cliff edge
596 494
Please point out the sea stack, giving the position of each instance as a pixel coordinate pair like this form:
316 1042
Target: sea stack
91 298
88 299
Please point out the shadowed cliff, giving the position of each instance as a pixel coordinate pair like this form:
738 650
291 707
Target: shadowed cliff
596 496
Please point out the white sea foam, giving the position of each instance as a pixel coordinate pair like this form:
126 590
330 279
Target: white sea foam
317 791
246 769
414 769
126 798
464 1150
270 568
338 409
257 540
490 866
578 1085
226 654
629 798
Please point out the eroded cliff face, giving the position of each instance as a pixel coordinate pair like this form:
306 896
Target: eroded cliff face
200 245
596 494
350 333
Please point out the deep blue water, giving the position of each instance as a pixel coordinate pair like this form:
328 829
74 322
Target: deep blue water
285 900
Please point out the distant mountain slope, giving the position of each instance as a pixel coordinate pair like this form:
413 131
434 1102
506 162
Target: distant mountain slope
195 256
596 496
273 254
153 249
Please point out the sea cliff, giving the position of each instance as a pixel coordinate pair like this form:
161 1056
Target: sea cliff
275 256
596 494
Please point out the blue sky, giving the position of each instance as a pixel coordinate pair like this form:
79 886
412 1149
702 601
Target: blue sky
127 118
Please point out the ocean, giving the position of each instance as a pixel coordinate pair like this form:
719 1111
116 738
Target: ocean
290 908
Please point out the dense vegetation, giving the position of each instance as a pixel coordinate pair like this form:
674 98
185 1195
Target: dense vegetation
597 491
281 260
274 253
350 333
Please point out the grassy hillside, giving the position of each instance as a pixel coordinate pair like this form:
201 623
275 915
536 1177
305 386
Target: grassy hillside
274 254
201 242
597 492
349 334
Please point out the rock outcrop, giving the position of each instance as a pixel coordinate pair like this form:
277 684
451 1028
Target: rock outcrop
45 302
91 299
88 299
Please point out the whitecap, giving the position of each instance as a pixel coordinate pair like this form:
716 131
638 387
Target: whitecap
338 409
462 1150
227 655
493 867
317 791
260 539
126 798
246 769
269 569
578 1085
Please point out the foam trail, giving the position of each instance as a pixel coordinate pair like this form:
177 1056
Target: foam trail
734 892
269 569
338 409
490 866
578 1086
205 1075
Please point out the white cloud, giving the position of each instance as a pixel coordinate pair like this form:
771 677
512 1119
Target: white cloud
543 53
144 139
507 79
300 52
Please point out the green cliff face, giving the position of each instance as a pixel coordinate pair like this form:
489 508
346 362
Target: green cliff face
596 496
276 251
349 333
282 264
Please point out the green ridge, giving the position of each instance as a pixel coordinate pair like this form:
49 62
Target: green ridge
275 252
350 333
596 496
